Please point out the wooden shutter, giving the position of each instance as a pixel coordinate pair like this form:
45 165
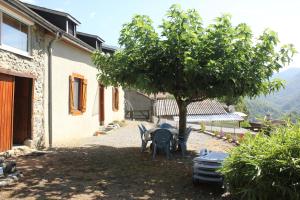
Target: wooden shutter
116 99
84 93
71 95
113 98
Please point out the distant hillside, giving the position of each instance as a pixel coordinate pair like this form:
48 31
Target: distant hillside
282 103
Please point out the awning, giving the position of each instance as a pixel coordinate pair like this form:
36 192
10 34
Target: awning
210 118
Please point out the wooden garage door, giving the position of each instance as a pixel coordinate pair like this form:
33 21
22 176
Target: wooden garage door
6 111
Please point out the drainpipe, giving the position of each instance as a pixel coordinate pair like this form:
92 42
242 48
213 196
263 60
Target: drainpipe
50 50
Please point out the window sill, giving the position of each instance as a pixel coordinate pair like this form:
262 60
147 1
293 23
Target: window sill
16 51
76 113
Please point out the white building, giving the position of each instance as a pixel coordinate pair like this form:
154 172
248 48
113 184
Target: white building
49 92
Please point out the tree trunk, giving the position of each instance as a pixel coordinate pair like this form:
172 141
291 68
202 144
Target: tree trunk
182 106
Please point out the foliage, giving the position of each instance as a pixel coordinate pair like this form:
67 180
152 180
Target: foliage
193 62
241 106
238 103
245 124
203 128
266 167
228 136
121 123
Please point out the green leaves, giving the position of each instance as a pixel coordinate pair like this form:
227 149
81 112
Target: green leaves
194 62
266 167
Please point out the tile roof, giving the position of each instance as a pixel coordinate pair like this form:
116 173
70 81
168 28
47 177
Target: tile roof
56 12
210 118
168 107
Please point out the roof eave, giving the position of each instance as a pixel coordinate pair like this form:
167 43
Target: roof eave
47 25
34 16
64 14
90 35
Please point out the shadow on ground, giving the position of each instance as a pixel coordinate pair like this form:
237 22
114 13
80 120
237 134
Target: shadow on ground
103 172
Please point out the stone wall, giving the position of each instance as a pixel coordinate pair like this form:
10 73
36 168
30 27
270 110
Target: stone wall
35 65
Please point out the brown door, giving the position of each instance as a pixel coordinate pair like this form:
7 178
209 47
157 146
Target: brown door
6 111
101 104
22 110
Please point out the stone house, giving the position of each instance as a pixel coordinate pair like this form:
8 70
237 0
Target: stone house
48 87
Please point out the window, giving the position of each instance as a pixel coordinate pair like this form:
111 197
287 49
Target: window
78 90
71 28
14 33
115 99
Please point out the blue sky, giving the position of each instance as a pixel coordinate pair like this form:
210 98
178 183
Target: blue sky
105 18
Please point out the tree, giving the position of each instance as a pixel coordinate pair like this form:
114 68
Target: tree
193 62
238 103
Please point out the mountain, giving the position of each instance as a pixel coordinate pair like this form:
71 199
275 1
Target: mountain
282 103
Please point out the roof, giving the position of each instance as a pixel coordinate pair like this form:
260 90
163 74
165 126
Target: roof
36 18
90 35
211 118
46 24
109 48
168 107
56 12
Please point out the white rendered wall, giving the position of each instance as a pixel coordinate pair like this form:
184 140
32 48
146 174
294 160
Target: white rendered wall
69 128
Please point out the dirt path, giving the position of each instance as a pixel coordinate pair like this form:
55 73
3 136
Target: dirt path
112 167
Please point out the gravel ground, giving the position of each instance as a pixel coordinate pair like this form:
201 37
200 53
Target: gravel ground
111 166
129 137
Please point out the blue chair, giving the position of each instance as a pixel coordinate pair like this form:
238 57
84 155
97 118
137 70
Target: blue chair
161 140
183 140
166 126
143 127
144 142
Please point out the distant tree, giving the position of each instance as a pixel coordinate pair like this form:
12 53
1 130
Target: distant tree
241 106
193 62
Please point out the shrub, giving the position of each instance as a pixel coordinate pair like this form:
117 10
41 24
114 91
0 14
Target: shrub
203 128
245 124
216 133
228 136
265 167
120 123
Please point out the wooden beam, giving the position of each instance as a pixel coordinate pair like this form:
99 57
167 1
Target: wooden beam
20 74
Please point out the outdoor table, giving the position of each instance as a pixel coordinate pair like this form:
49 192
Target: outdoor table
148 133
174 132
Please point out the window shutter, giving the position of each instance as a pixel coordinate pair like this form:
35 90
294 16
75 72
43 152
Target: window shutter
113 99
84 93
116 99
71 94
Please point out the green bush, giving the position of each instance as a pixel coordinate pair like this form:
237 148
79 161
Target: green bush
245 124
228 136
265 167
203 128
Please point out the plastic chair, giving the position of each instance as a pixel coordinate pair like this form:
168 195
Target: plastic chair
162 139
165 125
143 127
183 140
144 142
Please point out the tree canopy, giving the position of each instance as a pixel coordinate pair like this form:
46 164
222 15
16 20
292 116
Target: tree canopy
194 62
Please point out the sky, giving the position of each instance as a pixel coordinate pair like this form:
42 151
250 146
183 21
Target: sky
105 18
